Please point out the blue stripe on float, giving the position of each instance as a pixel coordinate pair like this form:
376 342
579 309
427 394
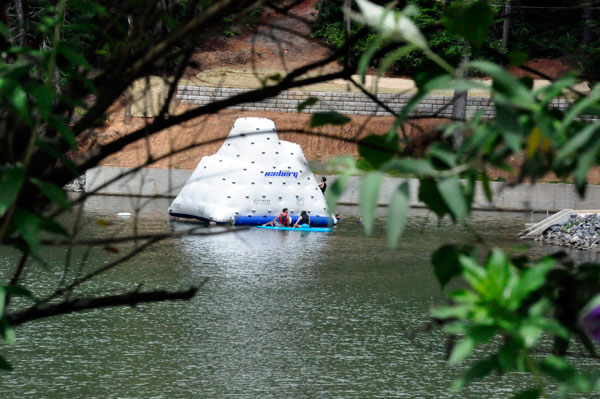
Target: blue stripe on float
315 221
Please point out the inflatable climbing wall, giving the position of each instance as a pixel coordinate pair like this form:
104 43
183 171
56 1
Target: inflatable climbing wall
252 177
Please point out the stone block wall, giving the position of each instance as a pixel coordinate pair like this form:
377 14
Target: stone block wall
344 103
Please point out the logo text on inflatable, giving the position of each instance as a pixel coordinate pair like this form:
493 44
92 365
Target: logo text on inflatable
281 173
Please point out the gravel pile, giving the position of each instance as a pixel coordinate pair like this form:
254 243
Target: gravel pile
581 232
77 184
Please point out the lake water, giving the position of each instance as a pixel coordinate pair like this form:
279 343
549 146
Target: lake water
283 314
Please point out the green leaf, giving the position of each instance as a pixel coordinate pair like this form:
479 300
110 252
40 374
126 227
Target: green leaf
517 57
453 194
540 308
64 130
4 365
497 269
415 166
307 103
44 97
506 84
378 149
555 89
487 189
19 102
530 334
392 57
49 146
443 82
479 369
471 22
335 191
584 163
508 355
444 155
73 56
429 194
462 350
53 192
11 180
365 59
28 226
580 106
446 263
553 327
392 24
582 138
481 334
7 332
465 297
532 279
398 209
328 118
2 300
557 368
19 291
507 120
451 312
474 274
52 226
369 193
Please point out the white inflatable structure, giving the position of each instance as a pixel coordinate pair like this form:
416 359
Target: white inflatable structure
252 177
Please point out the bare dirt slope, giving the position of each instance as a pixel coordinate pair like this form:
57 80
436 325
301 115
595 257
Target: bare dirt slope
245 61
278 43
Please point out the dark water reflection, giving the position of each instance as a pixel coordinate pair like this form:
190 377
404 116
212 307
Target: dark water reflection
284 314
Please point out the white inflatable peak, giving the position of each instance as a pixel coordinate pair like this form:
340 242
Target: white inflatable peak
252 177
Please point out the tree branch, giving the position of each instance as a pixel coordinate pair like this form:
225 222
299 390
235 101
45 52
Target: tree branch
77 305
92 158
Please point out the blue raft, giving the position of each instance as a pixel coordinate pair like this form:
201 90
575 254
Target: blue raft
304 229
315 221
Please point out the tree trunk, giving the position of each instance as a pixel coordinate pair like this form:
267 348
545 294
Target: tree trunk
506 25
127 108
159 28
587 38
21 21
347 4
459 102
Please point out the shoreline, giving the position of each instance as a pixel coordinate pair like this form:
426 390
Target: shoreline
166 183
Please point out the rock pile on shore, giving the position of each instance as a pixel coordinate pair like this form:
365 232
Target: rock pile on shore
77 184
581 232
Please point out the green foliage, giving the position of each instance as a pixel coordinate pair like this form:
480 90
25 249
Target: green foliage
377 150
57 81
512 300
328 118
480 24
510 304
307 103
397 214
369 193
470 20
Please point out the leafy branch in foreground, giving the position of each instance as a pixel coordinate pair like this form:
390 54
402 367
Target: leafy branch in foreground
512 306
73 62
509 303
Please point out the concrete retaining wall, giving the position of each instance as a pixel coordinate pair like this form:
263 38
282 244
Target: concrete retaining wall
345 103
524 197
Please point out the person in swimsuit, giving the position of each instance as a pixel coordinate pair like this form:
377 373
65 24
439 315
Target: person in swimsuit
322 185
283 219
303 220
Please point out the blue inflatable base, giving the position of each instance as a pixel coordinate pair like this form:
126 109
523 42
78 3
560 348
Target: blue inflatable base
315 221
300 229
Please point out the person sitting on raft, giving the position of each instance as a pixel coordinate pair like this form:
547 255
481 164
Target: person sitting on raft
303 219
283 219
